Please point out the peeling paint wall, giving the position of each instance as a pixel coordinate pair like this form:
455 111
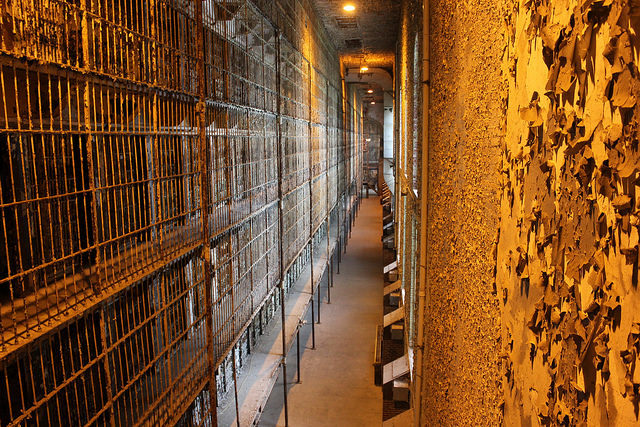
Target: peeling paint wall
532 314
567 260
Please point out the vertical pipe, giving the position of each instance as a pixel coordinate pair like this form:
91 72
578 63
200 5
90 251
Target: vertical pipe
283 319
423 287
205 191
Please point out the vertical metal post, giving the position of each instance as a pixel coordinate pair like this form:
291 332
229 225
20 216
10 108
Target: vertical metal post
329 275
284 354
326 174
103 341
319 301
345 234
298 352
313 324
311 192
313 316
205 191
283 318
339 243
235 386
89 141
354 211
331 267
97 288
348 233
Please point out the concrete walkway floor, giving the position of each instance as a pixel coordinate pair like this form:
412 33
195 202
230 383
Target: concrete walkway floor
337 387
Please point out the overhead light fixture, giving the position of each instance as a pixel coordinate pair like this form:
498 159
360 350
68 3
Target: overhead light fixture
368 139
363 64
349 7
370 91
373 102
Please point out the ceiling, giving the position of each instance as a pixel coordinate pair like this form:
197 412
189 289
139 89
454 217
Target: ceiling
384 60
371 29
376 80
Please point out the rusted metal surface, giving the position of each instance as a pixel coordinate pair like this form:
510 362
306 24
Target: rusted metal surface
142 229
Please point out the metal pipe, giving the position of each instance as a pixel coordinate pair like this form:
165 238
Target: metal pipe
423 286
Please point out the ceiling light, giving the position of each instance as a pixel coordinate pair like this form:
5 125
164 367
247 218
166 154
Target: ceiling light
364 68
370 91
373 102
368 139
349 7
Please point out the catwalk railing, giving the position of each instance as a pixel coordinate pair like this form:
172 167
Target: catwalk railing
164 164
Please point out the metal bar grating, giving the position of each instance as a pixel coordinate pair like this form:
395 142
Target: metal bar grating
372 134
139 213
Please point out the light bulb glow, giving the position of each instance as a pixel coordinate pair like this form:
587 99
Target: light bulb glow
370 91
373 102
349 7
364 68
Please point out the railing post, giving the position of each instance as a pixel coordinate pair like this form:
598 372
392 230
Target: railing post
235 386
283 361
326 174
298 352
97 285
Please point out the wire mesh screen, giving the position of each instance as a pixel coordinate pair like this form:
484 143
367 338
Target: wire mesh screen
139 195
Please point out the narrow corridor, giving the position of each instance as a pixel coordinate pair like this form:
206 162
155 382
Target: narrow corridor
337 387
